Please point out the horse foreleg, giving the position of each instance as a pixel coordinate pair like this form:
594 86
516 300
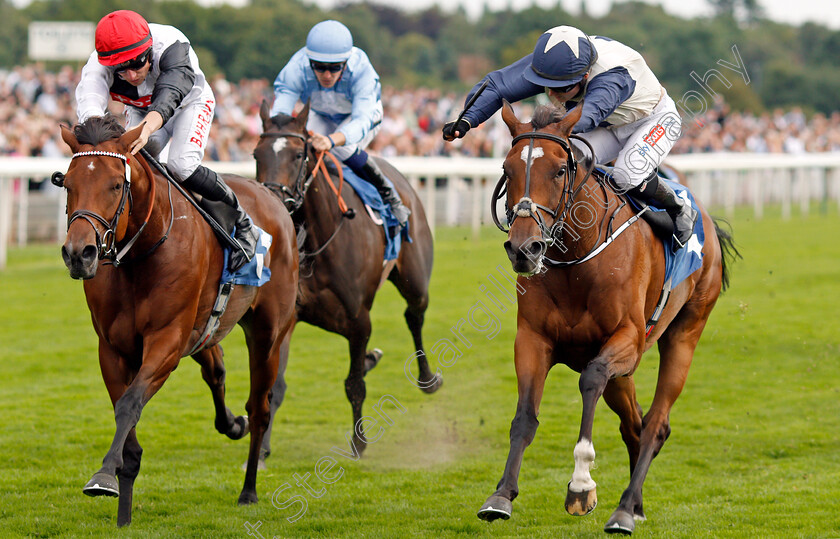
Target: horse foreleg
620 396
131 467
532 365
154 371
675 359
213 371
581 496
278 392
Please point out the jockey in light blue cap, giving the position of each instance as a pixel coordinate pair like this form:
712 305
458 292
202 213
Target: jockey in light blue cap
344 96
627 115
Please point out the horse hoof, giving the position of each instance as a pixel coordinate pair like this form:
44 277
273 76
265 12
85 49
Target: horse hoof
432 385
581 503
372 359
247 498
239 428
495 507
102 484
620 522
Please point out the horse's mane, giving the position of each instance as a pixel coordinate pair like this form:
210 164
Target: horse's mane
546 115
98 129
281 119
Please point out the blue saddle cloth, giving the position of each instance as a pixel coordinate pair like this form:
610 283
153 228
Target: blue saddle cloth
253 273
394 234
687 260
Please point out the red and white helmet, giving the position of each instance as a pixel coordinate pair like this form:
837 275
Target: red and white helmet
122 36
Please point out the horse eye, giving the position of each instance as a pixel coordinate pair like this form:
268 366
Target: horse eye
299 155
117 186
561 172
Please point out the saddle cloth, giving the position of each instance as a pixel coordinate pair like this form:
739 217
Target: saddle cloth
394 234
253 273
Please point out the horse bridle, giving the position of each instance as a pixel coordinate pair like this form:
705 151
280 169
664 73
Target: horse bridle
106 243
293 198
528 208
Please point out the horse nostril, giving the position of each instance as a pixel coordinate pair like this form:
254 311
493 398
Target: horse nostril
89 253
537 248
65 255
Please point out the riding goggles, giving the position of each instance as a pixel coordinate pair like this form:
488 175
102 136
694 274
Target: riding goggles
564 89
331 67
134 64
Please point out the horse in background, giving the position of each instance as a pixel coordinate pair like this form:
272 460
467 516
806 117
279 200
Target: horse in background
343 255
592 312
151 267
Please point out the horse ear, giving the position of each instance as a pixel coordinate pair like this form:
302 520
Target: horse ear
570 119
130 136
303 116
265 115
510 118
69 138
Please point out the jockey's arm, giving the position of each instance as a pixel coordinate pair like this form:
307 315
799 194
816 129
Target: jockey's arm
604 93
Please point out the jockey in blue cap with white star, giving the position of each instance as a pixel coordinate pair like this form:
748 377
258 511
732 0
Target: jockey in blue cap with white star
344 96
627 115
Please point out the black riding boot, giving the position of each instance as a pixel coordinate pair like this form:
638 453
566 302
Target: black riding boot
370 172
661 195
210 186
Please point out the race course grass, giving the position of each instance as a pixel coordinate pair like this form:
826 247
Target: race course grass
754 450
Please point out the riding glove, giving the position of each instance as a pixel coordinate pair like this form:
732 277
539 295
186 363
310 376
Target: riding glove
450 128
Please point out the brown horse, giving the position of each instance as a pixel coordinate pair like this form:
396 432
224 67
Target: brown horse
590 312
342 255
151 301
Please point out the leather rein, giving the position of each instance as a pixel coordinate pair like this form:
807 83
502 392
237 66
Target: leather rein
293 198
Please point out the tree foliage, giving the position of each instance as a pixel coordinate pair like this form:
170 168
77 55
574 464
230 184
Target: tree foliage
787 65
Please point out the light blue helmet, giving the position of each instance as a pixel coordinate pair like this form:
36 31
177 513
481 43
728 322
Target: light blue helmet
329 41
562 56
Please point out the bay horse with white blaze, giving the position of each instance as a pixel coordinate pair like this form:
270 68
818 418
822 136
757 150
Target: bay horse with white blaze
150 302
343 253
590 312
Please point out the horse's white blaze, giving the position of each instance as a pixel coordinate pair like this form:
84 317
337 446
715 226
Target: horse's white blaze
91 167
584 458
535 154
279 144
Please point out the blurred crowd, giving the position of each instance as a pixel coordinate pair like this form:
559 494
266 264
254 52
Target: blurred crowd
33 101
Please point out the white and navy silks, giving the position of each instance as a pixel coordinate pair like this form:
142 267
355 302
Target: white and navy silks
175 88
627 115
353 106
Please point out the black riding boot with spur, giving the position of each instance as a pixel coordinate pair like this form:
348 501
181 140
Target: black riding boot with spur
211 187
659 194
371 173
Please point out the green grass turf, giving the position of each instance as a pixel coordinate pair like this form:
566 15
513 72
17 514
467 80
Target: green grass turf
753 452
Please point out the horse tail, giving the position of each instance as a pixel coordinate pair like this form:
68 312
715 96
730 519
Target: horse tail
728 251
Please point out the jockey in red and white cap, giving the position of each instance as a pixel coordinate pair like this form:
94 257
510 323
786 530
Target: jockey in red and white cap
153 70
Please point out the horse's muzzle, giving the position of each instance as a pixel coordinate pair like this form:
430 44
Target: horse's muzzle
83 262
527 257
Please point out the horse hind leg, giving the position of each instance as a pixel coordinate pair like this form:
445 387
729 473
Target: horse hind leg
278 393
675 359
213 371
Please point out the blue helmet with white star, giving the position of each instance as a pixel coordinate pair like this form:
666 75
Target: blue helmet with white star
329 41
562 56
